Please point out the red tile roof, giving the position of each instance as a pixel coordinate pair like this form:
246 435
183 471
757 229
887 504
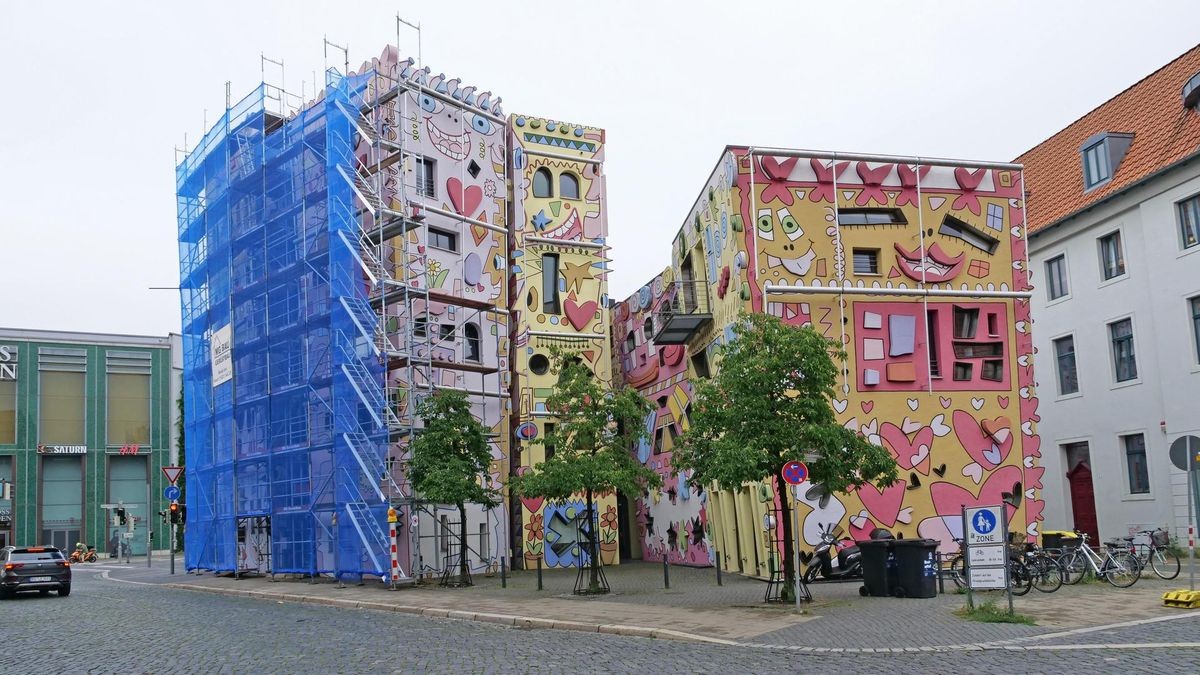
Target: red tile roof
1152 110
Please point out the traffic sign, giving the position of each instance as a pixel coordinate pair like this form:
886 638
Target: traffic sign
986 577
171 492
1181 448
172 473
795 473
983 525
985 555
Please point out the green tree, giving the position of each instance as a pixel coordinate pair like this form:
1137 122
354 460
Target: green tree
595 430
450 458
769 404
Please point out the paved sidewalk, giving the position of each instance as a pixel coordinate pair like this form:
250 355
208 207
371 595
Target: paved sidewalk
695 608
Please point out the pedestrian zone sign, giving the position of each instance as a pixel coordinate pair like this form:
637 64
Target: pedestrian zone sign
983 525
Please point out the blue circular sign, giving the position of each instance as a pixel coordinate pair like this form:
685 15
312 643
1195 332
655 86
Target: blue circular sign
983 522
171 492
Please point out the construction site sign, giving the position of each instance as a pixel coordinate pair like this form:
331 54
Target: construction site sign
222 355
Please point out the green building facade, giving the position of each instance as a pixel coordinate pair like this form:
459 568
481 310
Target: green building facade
85 420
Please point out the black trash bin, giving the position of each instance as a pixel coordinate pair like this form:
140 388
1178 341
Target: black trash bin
878 566
916 568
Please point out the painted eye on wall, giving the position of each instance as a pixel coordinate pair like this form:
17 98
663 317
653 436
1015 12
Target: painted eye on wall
765 225
790 227
428 103
480 123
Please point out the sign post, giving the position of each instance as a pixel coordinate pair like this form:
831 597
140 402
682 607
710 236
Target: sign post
985 530
1185 455
795 473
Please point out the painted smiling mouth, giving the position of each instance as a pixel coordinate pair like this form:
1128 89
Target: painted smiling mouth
798 265
452 146
569 230
932 265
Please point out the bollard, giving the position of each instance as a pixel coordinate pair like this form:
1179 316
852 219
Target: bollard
666 572
717 560
503 576
539 572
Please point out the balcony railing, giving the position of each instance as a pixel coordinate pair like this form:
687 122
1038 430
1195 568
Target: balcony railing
684 312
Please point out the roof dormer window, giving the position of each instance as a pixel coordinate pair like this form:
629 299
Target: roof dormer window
1102 153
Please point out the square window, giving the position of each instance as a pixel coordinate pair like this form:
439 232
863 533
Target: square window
866 261
1056 277
1124 360
1189 222
992 370
1068 376
1095 165
1135 464
1112 259
962 372
446 241
966 321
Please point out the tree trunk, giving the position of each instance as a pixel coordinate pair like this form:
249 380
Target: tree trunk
462 539
594 563
788 592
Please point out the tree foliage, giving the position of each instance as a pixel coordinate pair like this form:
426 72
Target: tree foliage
450 456
594 432
769 404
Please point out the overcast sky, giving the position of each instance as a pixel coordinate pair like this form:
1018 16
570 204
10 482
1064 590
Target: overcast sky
97 95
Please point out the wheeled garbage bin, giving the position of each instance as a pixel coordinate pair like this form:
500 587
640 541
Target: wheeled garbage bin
878 566
916 568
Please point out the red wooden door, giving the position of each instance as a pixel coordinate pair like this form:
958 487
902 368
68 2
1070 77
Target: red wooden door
1083 501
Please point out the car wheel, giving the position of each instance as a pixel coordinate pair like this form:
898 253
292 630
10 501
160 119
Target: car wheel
64 591
5 594
44 592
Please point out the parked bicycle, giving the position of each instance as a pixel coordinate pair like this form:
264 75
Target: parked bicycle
1117 566
1156 554
1043 568
1023 572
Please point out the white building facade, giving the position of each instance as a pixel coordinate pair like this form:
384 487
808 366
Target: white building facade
1115 256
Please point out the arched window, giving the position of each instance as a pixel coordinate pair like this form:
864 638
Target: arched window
568 186
648 329
471 333
542 183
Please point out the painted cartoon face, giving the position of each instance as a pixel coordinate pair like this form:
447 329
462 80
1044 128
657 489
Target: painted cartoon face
935 264
445 126
569 230
785 252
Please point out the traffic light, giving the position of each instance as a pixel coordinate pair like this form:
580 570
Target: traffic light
121 519
163 514
174 509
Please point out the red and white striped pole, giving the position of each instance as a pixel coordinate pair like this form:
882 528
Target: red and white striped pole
393 519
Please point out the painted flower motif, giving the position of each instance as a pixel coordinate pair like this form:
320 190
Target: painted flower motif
489 187
434 266
534 527
609 519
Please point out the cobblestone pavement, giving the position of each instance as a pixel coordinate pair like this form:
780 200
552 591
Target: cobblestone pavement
123 627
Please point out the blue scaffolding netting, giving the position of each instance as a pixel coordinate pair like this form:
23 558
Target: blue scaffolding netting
293 433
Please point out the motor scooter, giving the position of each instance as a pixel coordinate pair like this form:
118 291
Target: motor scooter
834 549
90 556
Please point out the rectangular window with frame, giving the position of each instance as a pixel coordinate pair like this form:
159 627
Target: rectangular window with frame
993 370
963 371
550 303
1194 305
1124 360
441 239
62 398
8 412
966 322
1112 259
1068 375
1095 165
425 178
871 217
1056 277
931 326
866 261
1135 464
128 409
1189 221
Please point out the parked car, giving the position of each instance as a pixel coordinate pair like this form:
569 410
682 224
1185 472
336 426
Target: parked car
35 568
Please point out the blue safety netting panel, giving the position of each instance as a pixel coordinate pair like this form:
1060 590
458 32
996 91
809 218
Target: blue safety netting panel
298 433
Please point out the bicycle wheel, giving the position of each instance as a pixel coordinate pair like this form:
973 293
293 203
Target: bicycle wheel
958 572
1047 575
1122 569
1020 579
1164 563
1073 567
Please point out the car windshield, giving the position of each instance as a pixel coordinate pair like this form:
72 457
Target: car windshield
35 556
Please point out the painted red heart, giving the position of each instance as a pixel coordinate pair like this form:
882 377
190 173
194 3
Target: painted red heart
949 499
909 454
988 443
883 505
465 202
580 315
867 406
